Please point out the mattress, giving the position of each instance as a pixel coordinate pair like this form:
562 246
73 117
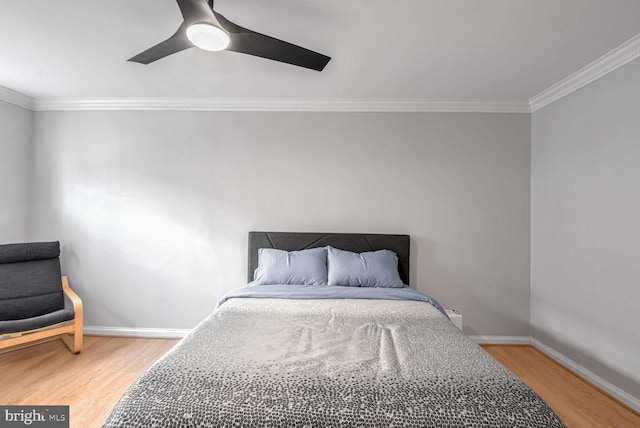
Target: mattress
328 362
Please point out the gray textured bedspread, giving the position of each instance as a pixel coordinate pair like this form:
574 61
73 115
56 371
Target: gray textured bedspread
322 363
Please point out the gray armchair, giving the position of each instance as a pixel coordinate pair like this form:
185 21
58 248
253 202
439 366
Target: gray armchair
36 302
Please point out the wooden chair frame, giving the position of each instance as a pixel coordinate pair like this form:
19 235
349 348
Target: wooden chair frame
69 331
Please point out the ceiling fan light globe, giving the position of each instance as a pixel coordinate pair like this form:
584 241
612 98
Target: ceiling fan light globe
208 37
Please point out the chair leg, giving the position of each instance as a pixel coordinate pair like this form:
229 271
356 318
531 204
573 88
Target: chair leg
77 340
73 342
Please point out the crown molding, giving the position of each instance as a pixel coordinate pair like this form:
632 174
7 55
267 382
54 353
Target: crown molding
623 54
278 105
15 98
609 62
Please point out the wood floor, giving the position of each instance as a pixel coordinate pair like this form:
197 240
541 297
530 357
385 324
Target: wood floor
91 383
577 402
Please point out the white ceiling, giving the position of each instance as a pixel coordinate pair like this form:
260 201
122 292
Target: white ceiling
486 50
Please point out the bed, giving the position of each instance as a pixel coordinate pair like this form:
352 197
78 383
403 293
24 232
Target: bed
328 355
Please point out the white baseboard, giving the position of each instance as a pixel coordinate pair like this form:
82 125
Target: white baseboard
589 376
176 333
614 391
151 333
501 340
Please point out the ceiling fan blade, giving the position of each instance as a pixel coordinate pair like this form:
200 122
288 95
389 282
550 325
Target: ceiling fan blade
249 42
194 11
176 43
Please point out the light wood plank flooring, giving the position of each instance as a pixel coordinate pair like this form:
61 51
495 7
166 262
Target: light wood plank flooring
91 383
577 402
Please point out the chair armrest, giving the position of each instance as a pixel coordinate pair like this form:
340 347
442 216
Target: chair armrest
71 296
74 341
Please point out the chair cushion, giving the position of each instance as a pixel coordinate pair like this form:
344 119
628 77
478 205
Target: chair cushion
30 280
12 253
36 322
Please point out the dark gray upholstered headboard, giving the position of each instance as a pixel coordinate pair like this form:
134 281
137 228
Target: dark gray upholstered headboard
356 242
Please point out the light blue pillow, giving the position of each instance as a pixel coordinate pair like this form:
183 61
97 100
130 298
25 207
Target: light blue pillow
371 269
306 267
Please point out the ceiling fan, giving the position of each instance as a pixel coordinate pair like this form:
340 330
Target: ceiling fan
205 28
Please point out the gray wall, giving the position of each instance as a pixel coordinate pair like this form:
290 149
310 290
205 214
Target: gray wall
585 193
15 172
153 208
